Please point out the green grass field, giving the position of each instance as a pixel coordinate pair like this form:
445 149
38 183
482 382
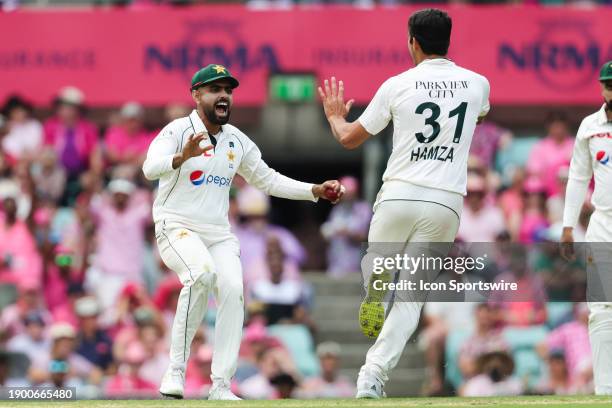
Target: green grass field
520 402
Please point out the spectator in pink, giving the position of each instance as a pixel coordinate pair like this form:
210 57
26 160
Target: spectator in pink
572 339
488 139
166 297
346 229
512 200
121 217
148 331
534 221
128 383
197 381
128 141
527 305
253 233
551 153
73 137
59 275
480 221
25 134
19 258
330 384
487 338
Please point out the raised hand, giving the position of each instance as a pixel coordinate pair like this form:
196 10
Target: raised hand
330 190
193 149
333 99
567 245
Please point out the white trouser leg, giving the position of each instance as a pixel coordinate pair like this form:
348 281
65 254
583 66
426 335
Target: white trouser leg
600 334
599 278
408 222
230 309
184 253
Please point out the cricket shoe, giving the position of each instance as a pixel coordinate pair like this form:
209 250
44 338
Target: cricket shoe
372 309
173 383
222 392
369 385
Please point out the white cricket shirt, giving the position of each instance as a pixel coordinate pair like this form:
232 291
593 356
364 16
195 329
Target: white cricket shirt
592 155
196 194
434 107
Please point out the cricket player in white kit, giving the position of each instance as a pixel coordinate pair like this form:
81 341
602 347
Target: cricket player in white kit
435 107
592 156
195 159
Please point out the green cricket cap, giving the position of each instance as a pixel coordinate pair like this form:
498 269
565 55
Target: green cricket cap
211 73
606 72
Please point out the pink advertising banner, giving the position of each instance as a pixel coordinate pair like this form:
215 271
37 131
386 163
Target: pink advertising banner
531 55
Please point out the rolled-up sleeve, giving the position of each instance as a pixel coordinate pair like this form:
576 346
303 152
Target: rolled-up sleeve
160 155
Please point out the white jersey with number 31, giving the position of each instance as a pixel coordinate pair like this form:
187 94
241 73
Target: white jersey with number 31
434 108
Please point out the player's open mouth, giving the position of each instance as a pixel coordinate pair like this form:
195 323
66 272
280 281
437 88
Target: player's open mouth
221 108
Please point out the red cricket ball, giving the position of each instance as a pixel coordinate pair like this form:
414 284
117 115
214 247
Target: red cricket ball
331 194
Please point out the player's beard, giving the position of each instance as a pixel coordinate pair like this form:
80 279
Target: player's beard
212 116
608 105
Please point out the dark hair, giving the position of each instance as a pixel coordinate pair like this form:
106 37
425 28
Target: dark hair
432 29
15 101
557 116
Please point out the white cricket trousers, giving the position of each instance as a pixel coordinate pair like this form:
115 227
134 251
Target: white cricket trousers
204 261
404 221
599 270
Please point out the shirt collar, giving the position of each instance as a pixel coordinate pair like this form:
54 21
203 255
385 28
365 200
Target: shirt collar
602 116
198 125
436 61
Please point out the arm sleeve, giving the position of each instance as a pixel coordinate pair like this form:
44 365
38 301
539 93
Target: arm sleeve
485 107
378 113
580 173
257 173
160 155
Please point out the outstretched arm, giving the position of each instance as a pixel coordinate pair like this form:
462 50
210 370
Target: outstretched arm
257 173
349 134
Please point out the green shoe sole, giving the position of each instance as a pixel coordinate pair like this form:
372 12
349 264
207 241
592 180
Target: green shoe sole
372 311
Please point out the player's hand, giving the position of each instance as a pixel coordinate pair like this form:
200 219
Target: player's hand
330 190
567 245
192 147
333 99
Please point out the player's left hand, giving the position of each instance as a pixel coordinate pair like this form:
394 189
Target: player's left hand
330 190
333 99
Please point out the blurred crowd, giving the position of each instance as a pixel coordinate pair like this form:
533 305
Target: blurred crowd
84 298
86 301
